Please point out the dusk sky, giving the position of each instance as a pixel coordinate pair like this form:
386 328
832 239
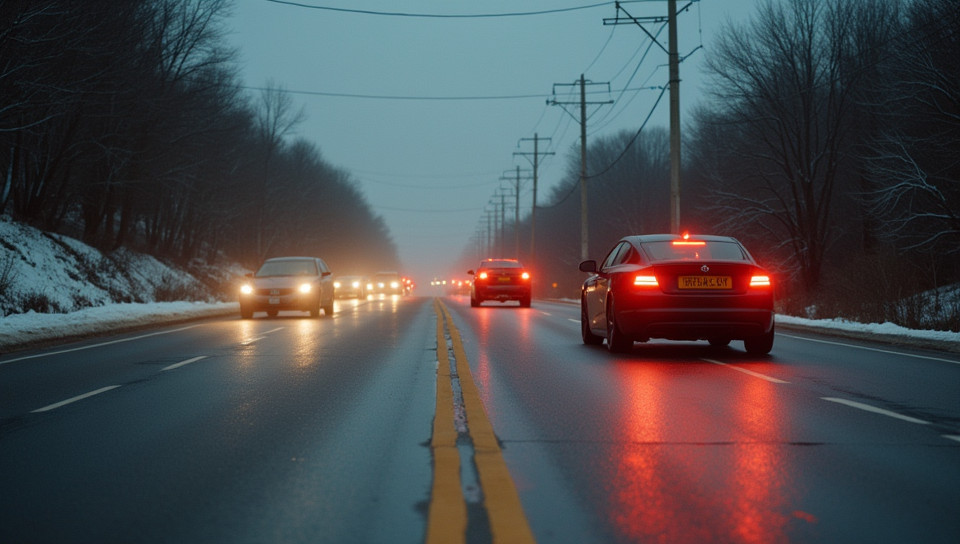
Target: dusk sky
425 102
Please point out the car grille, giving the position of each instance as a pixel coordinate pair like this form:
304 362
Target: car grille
274 292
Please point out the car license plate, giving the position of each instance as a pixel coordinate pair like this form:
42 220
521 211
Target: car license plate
704 282
504 279
274 300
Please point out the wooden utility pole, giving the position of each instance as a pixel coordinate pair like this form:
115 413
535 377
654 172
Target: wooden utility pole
584 234
673 56
533 210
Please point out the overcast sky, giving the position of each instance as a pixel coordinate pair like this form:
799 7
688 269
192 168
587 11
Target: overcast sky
427 105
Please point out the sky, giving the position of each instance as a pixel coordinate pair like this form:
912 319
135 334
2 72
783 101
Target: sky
427 106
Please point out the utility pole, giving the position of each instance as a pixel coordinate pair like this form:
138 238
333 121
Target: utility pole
673 56
584 234
533 210
516 210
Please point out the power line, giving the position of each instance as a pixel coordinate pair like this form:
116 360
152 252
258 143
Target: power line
439 15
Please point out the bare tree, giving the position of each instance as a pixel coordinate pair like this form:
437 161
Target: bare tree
913 161
784 90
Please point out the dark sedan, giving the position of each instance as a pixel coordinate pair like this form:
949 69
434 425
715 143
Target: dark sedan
678 288
302 284
501 280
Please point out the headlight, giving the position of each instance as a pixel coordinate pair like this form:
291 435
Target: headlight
394 284
305 288
336 285
246 289
356 285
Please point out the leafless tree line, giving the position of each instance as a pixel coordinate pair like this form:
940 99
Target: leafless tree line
124 124
830 144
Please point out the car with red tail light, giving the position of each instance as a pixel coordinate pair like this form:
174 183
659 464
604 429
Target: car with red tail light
501 280
677 287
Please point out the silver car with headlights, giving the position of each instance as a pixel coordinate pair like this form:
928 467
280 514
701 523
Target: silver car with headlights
303 284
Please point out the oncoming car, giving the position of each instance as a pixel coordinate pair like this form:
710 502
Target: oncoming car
677 288
388 283
288 283
502 280
350 286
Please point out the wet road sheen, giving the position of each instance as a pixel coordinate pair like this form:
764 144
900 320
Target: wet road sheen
329 430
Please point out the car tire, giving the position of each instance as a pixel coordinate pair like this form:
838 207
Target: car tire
719 342
759 345
589 338
617 342
525 302
246 312
328 309
474 302
272 313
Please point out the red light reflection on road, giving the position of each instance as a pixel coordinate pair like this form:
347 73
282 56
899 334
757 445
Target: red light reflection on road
674 476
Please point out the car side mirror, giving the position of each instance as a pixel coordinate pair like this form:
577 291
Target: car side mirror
588 266
326 273
470 272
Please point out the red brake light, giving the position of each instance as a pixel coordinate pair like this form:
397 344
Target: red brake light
689 243
482 276
525 275
645 281
760 281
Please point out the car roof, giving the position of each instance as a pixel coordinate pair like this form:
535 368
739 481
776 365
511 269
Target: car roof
292 259
641 238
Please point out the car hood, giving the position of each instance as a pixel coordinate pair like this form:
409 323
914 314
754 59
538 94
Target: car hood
278 282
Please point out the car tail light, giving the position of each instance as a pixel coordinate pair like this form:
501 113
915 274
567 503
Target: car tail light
482 276
760 281
525 275
305 288
645 281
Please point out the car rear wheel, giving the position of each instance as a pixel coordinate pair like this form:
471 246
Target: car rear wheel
328 309
759 345
272 313
474 302
589 338
617 342
246 312
525 302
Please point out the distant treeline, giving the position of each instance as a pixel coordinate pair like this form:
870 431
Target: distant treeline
829 144
124 124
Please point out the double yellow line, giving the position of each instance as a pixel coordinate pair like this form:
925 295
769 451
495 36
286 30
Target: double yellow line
447 522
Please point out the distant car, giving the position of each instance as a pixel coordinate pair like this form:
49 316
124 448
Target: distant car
350 287
501 280
388 283
302 284
678 288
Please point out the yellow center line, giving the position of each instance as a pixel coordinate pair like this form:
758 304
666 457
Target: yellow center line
447 521
508 523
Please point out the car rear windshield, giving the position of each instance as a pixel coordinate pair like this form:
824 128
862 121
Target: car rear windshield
500 264
668 250
287 268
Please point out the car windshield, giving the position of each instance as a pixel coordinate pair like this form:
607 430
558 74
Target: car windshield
694 250
287 268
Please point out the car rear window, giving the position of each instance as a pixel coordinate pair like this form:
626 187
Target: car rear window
668 250
288 268
500 264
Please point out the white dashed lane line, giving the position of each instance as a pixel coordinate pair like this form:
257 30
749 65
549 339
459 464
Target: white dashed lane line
745 371
875 410
75 399
183 363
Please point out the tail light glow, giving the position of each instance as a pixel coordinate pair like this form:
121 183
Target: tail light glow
645 281
760 281
482 276
525 275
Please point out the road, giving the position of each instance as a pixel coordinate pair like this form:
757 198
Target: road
355 428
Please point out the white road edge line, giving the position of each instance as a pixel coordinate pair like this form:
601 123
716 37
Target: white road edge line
272 331
745 371
573 320
952 437
887 351
183 363
875 410
75 399
95 345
